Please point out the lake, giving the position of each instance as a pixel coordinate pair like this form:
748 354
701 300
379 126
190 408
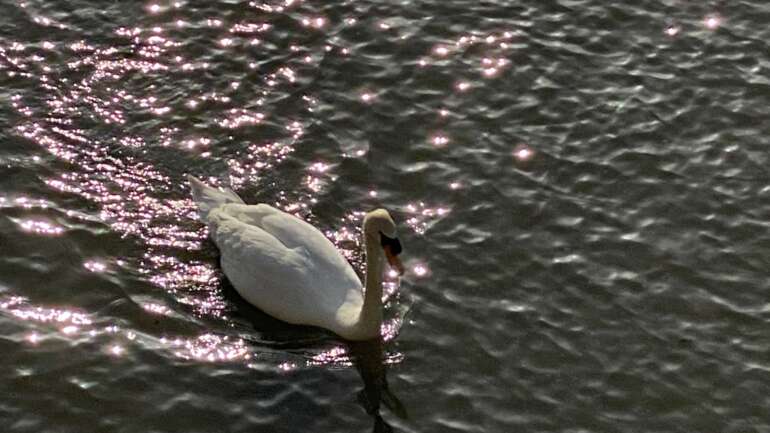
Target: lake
581 189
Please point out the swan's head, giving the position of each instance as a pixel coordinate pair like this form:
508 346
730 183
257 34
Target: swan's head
380 229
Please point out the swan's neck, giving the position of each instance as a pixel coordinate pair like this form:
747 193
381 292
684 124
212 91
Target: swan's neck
370 320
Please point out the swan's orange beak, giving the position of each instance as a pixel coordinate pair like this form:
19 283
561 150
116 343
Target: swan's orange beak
393 260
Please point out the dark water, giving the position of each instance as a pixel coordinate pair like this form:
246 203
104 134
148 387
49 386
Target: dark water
582 189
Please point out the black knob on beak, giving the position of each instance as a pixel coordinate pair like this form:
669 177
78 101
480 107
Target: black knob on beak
392 243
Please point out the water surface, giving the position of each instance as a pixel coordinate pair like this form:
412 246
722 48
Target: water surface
581 189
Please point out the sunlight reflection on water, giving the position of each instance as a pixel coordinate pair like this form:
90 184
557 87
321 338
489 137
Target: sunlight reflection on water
140 198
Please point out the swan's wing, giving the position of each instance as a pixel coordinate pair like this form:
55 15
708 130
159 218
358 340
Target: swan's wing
263 256
290 230
255 248
295 233
264 271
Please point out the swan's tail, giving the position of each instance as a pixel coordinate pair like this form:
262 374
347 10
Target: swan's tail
208 198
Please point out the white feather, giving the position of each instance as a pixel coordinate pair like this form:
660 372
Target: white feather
208 198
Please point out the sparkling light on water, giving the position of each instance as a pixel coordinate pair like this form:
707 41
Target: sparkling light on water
335 356
523 153
712 22
212 348
19 307
156 308
69 330
440 140
420 270
318 22
250 28
95 266
287 366
672 30
237 118
441 50
41 227
33 337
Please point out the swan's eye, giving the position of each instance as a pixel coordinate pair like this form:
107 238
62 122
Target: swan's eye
393 243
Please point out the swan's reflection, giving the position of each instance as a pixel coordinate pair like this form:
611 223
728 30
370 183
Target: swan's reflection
368 357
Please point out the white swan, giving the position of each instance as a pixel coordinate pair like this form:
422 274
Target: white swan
290 270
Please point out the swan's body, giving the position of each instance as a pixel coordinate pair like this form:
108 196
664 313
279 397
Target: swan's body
289 269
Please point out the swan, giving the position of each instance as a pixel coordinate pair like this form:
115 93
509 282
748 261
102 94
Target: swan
290 270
